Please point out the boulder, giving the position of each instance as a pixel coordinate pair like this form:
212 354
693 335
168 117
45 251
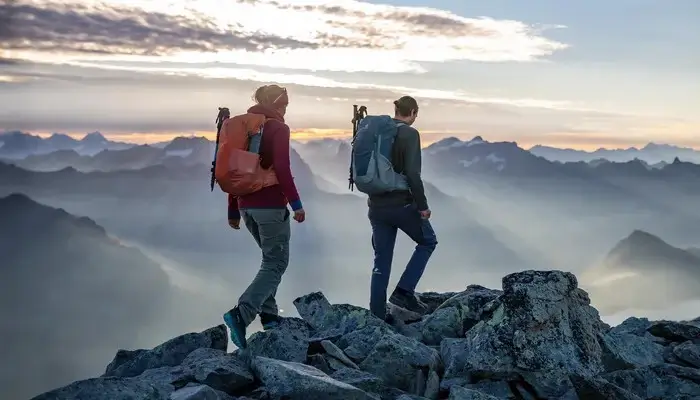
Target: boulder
457 314
675 331
460 393
599 389
295 381
689 353
396 360
217 369
658 381
367 382
338 354
627 350
169 354
543 330
288 342
110 388
199 392
358 344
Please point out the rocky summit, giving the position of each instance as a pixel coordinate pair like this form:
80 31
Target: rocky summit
537 338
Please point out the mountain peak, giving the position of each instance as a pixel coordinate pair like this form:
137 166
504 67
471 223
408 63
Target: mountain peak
94 137
15 200
642 248
21 210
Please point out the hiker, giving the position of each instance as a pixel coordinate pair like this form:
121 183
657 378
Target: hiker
264 211
387 166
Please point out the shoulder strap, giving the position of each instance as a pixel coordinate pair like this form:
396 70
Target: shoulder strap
256 139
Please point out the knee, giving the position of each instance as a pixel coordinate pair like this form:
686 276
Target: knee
429 243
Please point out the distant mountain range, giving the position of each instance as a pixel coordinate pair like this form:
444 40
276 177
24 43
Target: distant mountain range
644 270
69 294
17 145
478 156
68 151
652 153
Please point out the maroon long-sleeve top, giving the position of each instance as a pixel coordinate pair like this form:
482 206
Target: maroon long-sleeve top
274 151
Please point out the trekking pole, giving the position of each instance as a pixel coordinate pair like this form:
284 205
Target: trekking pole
223 115
358 113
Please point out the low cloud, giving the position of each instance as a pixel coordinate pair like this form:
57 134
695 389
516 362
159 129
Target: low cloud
53 27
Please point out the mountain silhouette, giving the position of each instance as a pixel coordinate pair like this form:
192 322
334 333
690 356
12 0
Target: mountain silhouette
69 292
644 270
16 145
651 153
694 250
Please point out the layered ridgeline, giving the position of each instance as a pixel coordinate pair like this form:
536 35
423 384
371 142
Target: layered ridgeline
537 338
69 293
644 271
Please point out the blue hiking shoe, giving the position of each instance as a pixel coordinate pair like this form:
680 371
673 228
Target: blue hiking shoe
236 328
269 321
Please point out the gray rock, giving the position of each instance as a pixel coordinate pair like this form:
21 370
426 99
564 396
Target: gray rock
432 386
457 314
406 396
346 318
358 344
396 358
688 352
319 362
334 363
401 314
671 358
169 354
418 384
296 381
658 381
460 393
694 322
627 351
433 299
199 392
600 389
335 352
543 330
499 389
288 342
675 331
217 369
367 382
109 388
441 324
634 326
312 308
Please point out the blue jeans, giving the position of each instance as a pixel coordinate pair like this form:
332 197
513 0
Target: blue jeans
386 221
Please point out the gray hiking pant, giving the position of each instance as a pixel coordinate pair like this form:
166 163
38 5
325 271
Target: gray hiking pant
271 229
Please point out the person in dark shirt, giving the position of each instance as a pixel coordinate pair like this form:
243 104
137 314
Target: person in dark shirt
267 218
405 210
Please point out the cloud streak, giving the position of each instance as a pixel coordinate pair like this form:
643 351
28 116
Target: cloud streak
123 30
333 36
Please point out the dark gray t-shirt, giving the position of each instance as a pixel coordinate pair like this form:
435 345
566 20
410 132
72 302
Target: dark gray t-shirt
406 158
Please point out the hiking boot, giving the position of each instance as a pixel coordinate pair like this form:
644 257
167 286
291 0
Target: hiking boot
408 301
236 327
269 321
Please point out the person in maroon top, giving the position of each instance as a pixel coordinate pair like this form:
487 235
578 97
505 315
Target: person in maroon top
267 217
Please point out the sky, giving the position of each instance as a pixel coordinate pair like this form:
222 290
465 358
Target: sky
581 73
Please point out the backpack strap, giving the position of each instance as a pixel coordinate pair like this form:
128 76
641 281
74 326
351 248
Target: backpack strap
256 138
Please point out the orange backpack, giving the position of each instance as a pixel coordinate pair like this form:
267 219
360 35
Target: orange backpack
237 169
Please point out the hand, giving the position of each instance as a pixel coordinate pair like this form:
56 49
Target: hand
425 214
234 223
300 215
